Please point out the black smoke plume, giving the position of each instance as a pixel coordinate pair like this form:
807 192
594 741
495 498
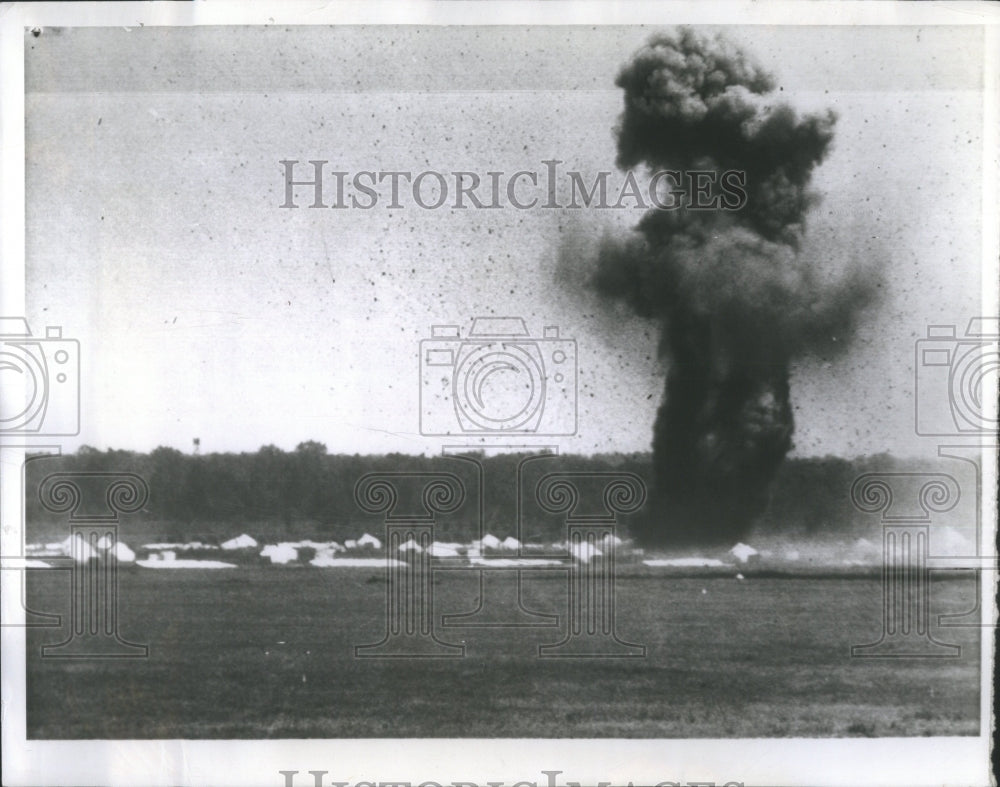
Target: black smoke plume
735 292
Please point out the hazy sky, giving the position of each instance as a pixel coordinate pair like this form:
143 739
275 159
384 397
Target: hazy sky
155 236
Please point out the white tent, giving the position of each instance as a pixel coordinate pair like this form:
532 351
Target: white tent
119 549
123 553
744 552
368 540
411 546
325 547
488 542
240 542
84 552
280 553
201 545
510 543
584 551
438 549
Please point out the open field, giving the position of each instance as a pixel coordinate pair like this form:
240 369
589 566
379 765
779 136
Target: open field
268 653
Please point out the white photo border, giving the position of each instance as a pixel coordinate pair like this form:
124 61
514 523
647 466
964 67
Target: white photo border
910 761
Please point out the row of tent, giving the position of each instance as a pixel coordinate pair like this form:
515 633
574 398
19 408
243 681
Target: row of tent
244 541
315 552
289 552
326 553
82 550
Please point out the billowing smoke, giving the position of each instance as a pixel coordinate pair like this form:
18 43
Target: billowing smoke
737 294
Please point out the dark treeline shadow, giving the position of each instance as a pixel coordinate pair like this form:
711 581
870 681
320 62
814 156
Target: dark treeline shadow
274 495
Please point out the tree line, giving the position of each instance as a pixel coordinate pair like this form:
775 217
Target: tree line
274 494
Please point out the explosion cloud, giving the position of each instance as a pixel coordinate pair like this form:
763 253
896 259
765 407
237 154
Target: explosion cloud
735 293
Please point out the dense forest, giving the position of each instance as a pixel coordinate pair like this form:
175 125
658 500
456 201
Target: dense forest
308 493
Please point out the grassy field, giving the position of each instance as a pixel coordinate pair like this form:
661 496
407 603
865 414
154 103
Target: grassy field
268 653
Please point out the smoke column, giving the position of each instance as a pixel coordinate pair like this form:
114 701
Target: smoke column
734 292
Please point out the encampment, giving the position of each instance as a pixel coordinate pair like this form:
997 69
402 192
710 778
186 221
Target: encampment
411 546
83 551
280 554
488 542
240 542
121 552
611 540
438 549
368 540
744 553
584 551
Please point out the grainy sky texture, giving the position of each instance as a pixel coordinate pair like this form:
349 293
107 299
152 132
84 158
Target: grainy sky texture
155 236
